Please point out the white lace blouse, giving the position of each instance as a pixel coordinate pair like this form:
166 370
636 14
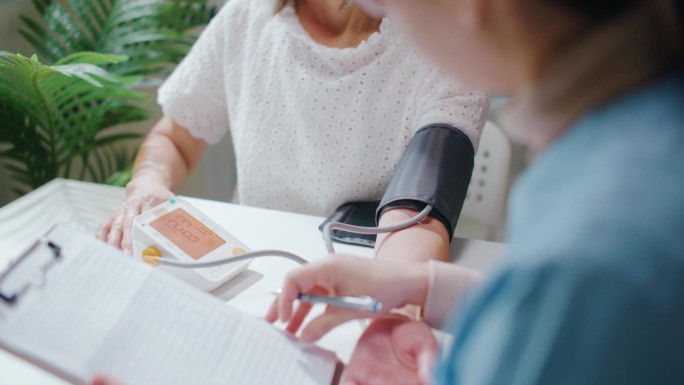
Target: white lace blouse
313 126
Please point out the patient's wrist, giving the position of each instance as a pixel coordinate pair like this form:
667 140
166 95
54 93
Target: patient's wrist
145 181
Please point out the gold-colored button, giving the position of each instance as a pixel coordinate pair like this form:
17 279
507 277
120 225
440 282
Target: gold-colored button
151 255
151 252
238 251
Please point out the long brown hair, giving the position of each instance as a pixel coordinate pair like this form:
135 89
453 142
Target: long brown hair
669 13
280 4
678 10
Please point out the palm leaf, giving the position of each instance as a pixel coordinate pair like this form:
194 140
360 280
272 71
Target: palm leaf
155 34
113 157
121 178
61 120
54 117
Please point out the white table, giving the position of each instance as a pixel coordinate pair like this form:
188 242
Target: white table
84 206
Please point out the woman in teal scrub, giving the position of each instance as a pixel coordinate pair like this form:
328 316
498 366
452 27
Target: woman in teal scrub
593 288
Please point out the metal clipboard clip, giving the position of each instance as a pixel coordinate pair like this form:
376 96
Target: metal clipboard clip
29 270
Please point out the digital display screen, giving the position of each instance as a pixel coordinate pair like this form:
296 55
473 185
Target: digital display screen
186 232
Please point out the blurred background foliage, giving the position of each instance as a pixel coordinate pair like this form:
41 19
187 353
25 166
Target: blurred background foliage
65 111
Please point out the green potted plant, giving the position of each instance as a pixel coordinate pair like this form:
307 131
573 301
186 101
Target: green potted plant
59 120
62 110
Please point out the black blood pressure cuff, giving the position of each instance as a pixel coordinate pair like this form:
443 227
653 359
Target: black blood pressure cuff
435 170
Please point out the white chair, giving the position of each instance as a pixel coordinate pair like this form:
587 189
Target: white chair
483 209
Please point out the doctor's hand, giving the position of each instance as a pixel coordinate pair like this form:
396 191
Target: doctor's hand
142 194
393 283
393 350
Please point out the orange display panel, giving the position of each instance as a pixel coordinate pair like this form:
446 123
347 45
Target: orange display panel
186 232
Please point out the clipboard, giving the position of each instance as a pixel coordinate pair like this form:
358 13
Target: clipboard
124 323
15 281
20 276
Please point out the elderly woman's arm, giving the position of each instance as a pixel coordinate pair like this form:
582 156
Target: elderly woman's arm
435 170
422 242
166 158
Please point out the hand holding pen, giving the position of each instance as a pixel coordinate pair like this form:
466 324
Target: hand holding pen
360 303
352 287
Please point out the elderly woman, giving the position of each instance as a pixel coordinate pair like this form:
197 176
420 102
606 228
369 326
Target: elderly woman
593 292
321 101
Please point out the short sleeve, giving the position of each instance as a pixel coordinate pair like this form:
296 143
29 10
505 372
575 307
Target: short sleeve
567 324
194 96
442 101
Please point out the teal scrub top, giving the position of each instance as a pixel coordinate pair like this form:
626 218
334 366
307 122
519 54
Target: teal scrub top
593 290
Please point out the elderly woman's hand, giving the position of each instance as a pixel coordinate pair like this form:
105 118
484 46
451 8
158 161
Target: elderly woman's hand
164 161
142 194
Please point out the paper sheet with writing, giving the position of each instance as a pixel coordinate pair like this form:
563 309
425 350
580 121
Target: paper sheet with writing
99 312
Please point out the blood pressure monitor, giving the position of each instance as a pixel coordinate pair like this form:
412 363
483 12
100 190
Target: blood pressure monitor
177 230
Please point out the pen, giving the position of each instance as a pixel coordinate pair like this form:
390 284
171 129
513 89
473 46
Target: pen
363 303
354 303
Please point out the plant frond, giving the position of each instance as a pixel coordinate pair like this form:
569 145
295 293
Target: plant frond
53 116
57 118
155 34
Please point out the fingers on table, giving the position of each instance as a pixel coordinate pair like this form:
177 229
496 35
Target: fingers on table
298 281
320 325
272 313
103 231
130 213
298 318
116 231
332 318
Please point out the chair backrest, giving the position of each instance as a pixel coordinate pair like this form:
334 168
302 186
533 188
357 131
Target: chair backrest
487 191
